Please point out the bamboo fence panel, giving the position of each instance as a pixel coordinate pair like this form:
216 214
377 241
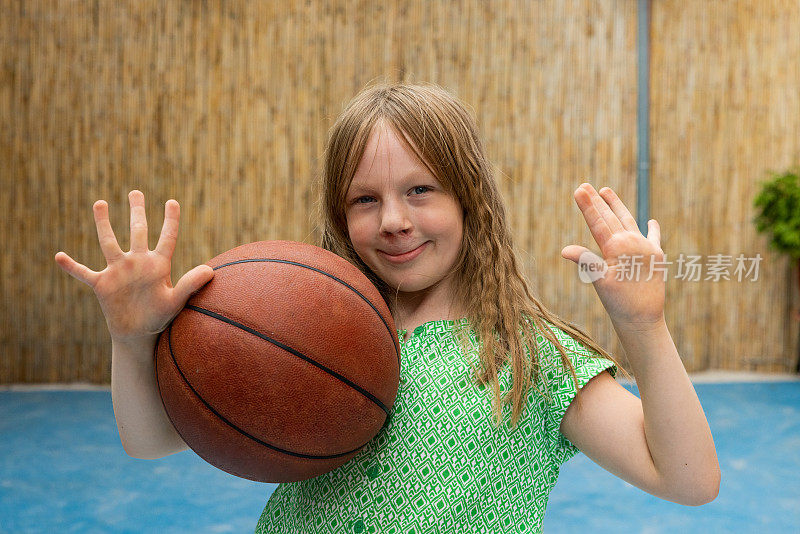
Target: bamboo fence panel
225 107
724 110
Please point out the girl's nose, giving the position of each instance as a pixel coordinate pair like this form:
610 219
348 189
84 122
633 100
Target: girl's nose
394 218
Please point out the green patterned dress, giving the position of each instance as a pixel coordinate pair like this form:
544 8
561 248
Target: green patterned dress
440 465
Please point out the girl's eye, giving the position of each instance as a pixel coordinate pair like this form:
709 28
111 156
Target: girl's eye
420 189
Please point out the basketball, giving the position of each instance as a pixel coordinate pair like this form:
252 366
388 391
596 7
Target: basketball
283 366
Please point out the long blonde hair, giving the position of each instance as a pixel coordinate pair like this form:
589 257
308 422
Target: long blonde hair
498 304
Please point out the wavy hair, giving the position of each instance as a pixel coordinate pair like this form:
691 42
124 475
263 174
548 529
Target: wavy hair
499 306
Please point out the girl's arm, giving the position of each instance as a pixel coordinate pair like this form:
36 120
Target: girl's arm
661 443
144 428
677 431
138 301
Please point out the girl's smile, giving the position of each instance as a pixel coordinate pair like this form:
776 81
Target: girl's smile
403 224
402 257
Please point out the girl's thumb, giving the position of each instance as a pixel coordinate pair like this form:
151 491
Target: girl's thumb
573 252
191 282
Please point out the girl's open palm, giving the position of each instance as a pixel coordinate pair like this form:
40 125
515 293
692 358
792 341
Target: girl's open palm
135 289
629 296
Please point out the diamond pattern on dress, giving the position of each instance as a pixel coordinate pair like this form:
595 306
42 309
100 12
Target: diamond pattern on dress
440 465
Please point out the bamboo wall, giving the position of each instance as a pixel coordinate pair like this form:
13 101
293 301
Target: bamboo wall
226 106
725 109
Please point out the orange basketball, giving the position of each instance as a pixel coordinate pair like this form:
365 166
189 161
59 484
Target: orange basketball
283 366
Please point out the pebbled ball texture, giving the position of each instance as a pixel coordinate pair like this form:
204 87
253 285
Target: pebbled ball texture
283 366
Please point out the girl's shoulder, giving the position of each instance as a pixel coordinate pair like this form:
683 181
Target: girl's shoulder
579 354
549 335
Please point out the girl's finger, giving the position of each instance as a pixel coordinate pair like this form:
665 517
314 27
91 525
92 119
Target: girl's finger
138 222
105 234
611 219
596 222
192 281
573 252
169 231
76 270
619 208
654 232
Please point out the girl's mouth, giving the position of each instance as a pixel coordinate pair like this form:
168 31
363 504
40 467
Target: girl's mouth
406 256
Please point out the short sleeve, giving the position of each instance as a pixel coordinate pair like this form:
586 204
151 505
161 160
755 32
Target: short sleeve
559 384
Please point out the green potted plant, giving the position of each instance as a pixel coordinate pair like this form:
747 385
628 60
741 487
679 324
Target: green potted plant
779 214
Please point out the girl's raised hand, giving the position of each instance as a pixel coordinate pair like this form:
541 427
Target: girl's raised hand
135 289
627 295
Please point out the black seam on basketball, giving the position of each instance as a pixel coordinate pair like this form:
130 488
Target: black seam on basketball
295 352
329 275
233 426
158 379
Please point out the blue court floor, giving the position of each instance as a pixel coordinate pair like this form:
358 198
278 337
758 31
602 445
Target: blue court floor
62 469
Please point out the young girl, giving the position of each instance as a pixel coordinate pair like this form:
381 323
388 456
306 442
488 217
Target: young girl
484 415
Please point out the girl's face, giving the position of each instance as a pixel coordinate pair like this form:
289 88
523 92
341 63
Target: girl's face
401 221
